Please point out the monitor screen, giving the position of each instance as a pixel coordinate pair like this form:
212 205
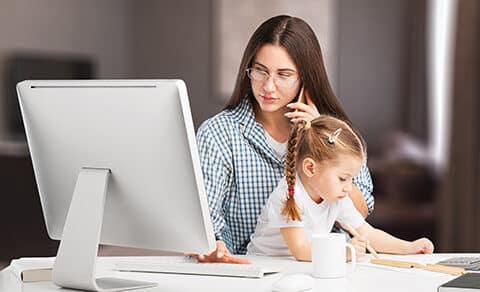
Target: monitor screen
131 142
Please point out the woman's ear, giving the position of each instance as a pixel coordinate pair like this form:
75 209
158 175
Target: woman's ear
308 166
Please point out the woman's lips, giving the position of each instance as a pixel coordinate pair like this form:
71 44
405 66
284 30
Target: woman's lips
269 99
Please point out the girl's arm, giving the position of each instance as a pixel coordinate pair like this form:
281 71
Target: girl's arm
298 243
301 249
386 243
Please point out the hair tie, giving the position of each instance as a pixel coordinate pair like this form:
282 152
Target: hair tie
308 124
333 137
291 191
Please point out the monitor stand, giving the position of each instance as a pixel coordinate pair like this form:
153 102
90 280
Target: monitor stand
75 264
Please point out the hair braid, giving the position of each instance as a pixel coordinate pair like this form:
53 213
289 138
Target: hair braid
290 208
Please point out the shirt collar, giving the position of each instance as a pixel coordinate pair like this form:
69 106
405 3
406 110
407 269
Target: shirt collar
251 129
245 116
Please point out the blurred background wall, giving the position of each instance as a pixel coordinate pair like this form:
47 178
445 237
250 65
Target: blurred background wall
100 30
377 63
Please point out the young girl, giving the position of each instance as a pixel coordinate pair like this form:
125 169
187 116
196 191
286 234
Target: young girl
322 158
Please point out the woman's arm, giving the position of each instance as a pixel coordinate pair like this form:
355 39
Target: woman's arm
297 242
359 201
216 174
361 194
220 254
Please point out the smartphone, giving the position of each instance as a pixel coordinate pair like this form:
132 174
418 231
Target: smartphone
301 96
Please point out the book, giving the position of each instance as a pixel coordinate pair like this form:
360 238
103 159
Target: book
32 269
468 282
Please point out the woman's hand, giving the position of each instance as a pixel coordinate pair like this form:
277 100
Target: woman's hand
302 111
420 246
220 255
360 246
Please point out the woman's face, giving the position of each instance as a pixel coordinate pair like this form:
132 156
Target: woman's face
274 78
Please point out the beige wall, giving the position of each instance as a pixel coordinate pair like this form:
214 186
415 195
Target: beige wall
373 64
172 39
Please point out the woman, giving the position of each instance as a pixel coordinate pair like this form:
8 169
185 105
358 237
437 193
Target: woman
242 149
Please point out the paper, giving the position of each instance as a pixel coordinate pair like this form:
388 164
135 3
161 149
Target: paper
32 269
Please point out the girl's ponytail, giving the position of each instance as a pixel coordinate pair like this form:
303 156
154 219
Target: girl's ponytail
290 208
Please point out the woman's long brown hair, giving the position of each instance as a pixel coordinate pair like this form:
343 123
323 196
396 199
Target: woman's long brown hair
298 38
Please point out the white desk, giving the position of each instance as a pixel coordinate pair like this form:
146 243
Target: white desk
364 278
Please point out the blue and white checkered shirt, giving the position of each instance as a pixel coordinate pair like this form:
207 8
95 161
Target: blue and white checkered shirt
241 170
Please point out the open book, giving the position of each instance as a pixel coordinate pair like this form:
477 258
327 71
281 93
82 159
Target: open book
32 269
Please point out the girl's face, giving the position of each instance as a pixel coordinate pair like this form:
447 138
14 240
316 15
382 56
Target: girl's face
274 78
332 180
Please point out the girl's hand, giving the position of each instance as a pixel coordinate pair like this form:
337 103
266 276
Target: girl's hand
302 111
419 246
221 255
360 245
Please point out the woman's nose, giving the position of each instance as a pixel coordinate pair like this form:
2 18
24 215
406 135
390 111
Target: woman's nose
269 84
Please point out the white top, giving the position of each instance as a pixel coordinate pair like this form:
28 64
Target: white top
316 218
280 149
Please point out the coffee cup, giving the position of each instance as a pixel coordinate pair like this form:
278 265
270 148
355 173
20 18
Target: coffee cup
329 258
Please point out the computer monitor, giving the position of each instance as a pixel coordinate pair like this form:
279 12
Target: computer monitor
115 162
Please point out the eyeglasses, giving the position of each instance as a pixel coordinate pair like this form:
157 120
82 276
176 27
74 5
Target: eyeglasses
283 81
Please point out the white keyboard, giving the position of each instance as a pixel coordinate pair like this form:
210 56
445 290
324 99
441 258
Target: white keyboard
187 265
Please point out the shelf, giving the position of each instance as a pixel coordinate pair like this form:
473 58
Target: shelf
13 148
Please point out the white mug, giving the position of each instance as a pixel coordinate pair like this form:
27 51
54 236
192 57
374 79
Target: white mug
329 257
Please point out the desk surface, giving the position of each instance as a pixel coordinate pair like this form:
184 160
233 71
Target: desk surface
364 278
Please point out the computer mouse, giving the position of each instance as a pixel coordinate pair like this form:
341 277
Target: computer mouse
293 283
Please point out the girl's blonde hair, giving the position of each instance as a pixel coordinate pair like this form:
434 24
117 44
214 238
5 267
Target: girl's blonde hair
324 138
